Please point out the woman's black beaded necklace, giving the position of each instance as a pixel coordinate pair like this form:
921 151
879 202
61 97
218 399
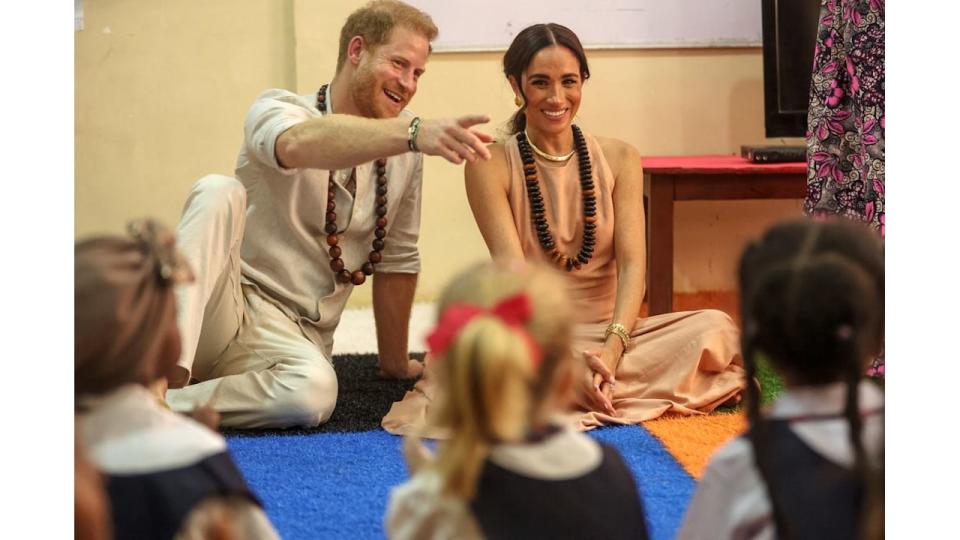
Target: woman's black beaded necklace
357 277
537 210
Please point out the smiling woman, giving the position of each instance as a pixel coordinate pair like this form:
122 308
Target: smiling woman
554 193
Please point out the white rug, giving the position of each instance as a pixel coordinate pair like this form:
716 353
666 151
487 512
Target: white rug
357 333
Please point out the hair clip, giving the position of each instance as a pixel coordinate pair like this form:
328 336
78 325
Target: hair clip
513 311
160 244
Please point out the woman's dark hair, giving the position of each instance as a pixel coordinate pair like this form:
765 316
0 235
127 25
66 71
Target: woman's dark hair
812 303
526 45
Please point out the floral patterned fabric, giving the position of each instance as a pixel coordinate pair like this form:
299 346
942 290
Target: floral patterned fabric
846 123
845 135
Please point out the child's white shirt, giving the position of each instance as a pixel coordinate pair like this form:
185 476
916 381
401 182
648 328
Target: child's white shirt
127 431
417 509
731 501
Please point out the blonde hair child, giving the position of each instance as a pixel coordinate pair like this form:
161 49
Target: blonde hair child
501 352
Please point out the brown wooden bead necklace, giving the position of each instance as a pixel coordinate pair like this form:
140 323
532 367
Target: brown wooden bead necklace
357 277
537 210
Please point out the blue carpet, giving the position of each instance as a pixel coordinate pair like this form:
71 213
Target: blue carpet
336 485
664 486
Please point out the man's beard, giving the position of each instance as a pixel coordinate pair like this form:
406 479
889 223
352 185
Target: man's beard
363 93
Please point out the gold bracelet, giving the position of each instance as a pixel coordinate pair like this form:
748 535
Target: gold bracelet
620 331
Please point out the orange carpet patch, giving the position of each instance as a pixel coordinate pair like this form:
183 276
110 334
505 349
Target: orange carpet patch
693 439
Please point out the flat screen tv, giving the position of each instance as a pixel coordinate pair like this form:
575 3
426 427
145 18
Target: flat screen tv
789 38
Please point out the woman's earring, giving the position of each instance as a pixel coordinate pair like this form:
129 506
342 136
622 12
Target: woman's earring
519 101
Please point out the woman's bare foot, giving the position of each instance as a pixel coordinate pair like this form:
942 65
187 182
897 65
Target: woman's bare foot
737 398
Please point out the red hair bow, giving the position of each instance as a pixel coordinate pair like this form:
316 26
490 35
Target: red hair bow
513 311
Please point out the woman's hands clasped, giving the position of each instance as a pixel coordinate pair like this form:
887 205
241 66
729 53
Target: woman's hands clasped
598 381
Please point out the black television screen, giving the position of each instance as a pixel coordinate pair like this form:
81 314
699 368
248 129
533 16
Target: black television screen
789 38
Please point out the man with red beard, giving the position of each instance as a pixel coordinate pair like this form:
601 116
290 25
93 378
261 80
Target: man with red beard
327 194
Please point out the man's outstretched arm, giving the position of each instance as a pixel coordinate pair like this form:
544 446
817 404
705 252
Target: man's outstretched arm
340 141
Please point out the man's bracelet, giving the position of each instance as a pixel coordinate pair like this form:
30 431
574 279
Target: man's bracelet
412 134
620 331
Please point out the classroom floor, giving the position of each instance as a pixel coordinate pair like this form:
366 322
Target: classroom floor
336 484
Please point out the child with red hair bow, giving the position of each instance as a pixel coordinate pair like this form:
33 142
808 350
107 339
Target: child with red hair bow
502 353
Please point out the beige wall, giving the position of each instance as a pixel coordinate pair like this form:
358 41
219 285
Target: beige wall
162 88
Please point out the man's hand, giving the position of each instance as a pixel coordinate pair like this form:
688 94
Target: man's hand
412 370
453 140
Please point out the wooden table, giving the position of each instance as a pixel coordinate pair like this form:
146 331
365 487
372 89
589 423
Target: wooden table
702 178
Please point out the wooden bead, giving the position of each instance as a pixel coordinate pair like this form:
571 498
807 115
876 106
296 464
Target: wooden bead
537 206
343 275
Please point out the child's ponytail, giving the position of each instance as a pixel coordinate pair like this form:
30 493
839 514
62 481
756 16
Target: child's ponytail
489 372
500 341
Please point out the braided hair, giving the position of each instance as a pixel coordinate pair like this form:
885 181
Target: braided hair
812 299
